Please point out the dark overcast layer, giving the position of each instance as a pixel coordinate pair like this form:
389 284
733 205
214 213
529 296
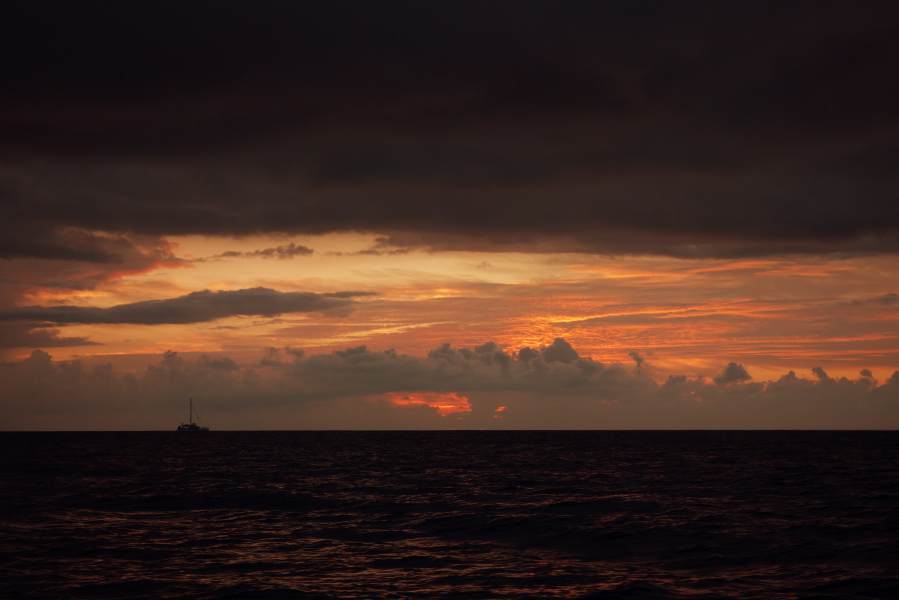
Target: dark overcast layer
674 128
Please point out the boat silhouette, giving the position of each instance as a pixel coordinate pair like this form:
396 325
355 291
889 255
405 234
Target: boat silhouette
190 425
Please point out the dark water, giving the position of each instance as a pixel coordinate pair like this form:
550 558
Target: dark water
642 515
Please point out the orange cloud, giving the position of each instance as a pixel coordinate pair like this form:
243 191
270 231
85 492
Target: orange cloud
446 404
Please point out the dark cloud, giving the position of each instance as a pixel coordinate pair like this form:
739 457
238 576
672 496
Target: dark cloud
222 363
684 129
676 380
732 373
196 307
291 250
559 351
789 377
117 256
346 389
638 359
526 354
117 250
27 335
888 299
822 375
30 240
272 356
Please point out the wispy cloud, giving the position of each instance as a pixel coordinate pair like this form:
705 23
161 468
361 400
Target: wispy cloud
285 252
196 307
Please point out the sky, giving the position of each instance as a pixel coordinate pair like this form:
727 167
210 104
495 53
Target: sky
449 215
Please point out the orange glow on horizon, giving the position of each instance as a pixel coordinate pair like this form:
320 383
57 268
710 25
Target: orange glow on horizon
445 403
693 315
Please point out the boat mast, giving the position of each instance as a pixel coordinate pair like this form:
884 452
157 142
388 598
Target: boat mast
190 417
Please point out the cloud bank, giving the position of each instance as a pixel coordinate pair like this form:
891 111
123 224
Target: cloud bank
681 129
357 388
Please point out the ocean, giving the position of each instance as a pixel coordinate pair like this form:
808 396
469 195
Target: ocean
450 514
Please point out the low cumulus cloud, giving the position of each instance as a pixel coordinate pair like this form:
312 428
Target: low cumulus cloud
822 375
358 388
196 307
274 356
732 373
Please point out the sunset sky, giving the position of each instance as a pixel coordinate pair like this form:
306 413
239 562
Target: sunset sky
449 215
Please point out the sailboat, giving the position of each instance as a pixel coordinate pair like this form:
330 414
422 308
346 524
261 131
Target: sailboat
190 425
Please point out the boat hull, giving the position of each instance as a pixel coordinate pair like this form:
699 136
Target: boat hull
192 428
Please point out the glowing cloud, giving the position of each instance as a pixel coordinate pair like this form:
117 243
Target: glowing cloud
445 403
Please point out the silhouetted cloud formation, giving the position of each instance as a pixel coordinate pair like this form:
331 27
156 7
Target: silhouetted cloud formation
683 129
351 389
822 375
196 307
732 373
30 335
559 351
637 358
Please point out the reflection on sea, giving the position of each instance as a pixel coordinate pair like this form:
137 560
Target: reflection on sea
450 515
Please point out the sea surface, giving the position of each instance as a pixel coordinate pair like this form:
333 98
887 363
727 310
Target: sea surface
450 514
